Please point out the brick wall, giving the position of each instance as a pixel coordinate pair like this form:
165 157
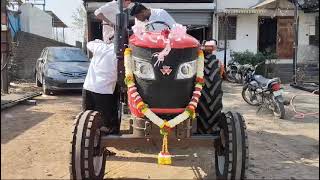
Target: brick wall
26 51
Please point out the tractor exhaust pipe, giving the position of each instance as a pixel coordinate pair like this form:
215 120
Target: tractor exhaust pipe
120 36
120 41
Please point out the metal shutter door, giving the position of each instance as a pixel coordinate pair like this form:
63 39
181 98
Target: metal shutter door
192 18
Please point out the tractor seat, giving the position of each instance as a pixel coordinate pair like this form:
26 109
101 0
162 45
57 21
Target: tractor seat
265 82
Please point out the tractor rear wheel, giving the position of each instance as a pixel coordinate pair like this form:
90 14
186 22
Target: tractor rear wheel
87 160
210 103
231 149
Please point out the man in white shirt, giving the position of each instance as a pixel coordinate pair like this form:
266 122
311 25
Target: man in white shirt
100 83
145 15
99 87
107 14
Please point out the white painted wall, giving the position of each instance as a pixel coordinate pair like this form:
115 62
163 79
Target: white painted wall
307 22
35 21
306 52
247 27
247 34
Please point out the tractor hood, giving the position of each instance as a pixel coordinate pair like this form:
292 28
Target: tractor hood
152 40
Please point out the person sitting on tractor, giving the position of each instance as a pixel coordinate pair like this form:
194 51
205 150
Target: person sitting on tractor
144 15
107 14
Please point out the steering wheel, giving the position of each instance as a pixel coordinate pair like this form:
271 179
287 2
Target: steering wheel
157 22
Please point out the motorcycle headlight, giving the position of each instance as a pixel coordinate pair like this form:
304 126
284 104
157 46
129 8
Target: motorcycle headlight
143 69
187 70
52 73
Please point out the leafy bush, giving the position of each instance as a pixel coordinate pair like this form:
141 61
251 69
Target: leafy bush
248 57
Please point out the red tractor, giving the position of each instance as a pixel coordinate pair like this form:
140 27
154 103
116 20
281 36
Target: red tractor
156 93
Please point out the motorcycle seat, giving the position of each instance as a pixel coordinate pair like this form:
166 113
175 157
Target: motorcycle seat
265 82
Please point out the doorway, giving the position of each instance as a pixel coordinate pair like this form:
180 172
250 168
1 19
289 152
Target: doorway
267 35
200 32
96 30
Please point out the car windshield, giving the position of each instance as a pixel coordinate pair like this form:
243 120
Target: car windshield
66 54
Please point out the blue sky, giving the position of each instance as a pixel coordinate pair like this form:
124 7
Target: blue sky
64 10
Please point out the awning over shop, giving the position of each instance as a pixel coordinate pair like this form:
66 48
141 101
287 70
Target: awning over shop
264 3
240 11
263 12
306 5
274 4
203 7
56 22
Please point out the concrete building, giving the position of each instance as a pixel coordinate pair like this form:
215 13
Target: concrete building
253 25
34 20
32 31
266 25
58 27
198 15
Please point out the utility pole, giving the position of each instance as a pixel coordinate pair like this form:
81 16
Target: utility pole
295 45
225 41
4 48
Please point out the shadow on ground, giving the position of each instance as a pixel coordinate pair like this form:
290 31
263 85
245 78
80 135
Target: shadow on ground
12 127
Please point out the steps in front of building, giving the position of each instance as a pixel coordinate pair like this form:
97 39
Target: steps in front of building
310 72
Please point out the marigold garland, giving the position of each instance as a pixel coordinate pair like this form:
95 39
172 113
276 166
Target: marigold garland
165 126
142 107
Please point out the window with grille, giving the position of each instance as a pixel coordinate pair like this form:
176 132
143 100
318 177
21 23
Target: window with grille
230 28
314 39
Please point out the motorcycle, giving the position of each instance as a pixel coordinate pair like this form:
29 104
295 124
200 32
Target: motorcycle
263 92
236 72
232 72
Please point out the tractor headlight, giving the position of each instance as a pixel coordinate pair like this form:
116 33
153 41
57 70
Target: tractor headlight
143 69
187 70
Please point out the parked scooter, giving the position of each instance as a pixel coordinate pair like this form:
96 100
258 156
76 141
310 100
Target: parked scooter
263 92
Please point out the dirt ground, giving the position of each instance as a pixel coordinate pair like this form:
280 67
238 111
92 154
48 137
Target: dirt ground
35 143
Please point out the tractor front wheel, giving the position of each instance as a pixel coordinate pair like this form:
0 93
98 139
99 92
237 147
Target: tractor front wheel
231 149
87 157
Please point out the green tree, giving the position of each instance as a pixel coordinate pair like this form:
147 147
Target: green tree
80 21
